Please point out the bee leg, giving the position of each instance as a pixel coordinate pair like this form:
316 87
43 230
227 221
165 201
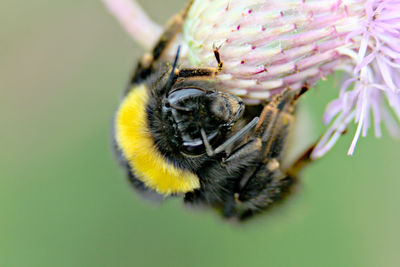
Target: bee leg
146 66
224 146
218 58
275 122
197 73
267 186
278 184
265 183
274 184
174 26
243 151
203 72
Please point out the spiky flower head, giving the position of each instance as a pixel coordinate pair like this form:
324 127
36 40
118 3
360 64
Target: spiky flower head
269 45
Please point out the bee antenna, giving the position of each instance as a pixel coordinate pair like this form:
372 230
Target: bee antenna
172 75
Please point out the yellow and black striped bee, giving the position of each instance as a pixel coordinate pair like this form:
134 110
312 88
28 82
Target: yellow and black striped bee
178 134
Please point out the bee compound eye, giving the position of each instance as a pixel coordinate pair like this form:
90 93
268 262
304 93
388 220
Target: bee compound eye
226 107
181 94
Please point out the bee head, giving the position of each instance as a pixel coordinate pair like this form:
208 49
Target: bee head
188 116
195 106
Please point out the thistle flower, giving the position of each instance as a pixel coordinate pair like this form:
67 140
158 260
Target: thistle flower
268 45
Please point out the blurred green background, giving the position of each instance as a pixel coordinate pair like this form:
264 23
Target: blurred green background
65 202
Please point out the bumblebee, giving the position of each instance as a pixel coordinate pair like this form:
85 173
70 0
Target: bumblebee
178 134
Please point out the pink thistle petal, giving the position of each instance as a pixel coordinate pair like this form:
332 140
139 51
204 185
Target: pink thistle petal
386 73
333 108
366 61
377 118
362 50
376 70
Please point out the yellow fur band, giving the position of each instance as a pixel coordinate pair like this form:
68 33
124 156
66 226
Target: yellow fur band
136 143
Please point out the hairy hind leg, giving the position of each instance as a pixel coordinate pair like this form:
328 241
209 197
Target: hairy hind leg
267 182
147 64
